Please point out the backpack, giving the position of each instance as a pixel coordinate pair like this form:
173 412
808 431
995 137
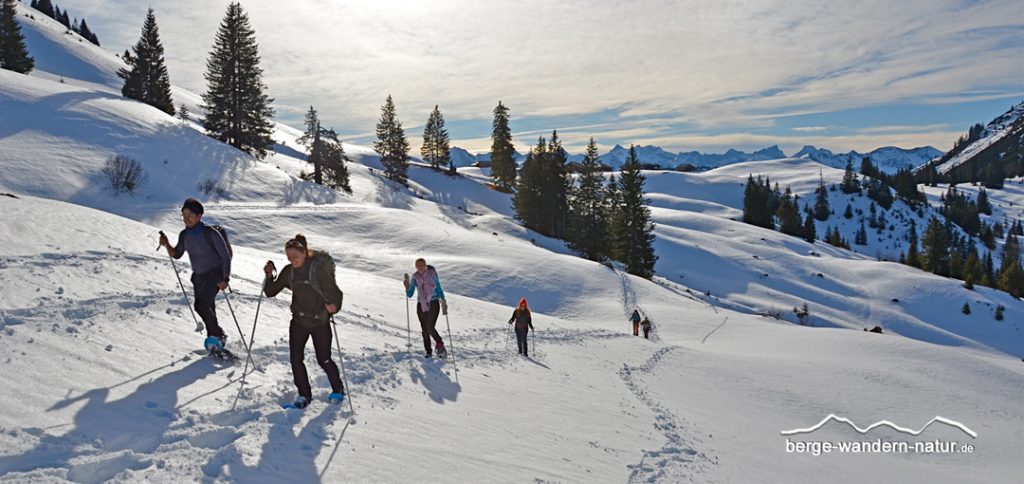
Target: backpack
318 260
223 235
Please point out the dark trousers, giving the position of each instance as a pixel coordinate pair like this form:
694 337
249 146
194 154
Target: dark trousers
647 332
205 287
297 337
636 328
521 339
428 323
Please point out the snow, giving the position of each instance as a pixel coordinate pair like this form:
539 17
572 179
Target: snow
102 381
993 132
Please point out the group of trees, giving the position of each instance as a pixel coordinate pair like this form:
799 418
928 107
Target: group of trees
764 204
53 11
603 221
947 252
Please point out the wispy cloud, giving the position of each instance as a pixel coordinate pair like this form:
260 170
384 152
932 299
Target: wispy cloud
705 65
810 129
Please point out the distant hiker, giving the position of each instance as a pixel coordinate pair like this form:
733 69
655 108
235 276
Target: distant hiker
210 255
646 325
431 302
315 297
635 318
524 324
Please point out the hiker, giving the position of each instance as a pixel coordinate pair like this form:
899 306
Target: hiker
315 297
524 324
430 302
635 318
210 255
646 325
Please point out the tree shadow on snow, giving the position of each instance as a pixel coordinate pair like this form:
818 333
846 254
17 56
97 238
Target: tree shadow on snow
135 423
439 386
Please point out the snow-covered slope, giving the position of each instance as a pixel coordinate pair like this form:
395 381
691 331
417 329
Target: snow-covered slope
996 130
101 381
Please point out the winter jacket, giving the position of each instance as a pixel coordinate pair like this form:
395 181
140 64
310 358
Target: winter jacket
429 286
207 252
308 307
646 324
635 317
523 319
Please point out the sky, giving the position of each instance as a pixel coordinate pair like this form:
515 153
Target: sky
704 75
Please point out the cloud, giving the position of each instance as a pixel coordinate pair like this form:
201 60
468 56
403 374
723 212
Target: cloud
708 65
810 129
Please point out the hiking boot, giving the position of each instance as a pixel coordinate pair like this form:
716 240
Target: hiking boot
441 351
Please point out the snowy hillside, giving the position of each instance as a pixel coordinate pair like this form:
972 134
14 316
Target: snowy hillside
103 382
999 128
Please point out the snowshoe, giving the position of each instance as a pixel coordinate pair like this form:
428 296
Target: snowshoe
298 404
336 397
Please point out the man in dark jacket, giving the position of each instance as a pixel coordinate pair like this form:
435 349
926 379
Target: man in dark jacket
211 266
524 323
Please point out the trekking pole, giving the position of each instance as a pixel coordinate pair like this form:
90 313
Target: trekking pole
408 324
248 353
341 363
508 331
533 341
199 326
452 341
252 336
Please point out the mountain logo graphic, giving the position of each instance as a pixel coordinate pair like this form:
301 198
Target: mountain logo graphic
832 416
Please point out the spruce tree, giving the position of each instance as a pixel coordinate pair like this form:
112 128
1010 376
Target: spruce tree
237 107
821 201
46 7
146 77
503 163
588 232
633 230
555 192
612 207
913 259
334 160
13 53
850 182
527 201
789 215
810 232
435 149
183 113
311 140
391 144
935 243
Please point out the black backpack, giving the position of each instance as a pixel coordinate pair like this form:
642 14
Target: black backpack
223 235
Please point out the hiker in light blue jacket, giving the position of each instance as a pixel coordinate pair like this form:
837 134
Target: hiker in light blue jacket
430 302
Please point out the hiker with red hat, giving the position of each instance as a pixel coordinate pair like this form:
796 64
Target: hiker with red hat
524 323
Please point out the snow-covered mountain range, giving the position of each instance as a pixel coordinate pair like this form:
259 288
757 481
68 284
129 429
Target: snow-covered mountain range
889 158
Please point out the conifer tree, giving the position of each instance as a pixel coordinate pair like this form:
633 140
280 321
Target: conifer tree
503 163
821 201
146 77
527 201
237 107
935 243
435 149
391 144
789 215
83 30
810 232
633 230
46 7
913 259
13 53
850 182
588 232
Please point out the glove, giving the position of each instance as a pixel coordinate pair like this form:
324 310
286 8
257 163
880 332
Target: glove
444 307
